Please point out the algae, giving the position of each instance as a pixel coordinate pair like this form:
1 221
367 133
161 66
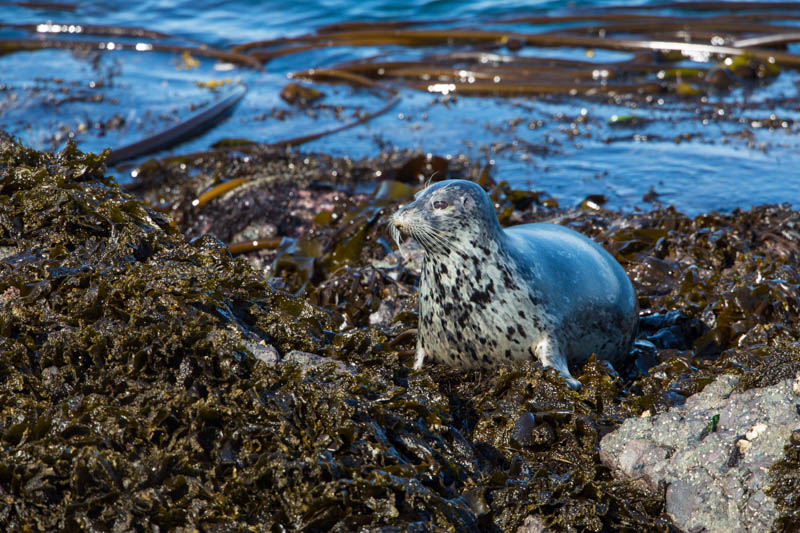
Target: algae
133 394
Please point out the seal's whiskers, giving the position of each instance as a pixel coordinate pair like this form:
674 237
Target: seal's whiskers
433 240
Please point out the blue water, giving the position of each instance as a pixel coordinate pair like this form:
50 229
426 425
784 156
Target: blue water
718 163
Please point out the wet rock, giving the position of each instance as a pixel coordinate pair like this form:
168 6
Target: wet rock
410 255
264 352
256 231
145 327
523 429
309 360
644 355
383 316
712 454
533 524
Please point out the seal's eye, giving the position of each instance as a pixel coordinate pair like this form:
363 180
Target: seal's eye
439 204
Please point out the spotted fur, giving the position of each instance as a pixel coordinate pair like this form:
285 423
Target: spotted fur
490 296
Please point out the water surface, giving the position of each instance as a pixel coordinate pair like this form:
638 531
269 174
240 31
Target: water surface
728 149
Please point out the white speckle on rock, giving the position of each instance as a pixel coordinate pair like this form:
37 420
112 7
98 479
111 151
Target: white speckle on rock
384 315
743 445
755 431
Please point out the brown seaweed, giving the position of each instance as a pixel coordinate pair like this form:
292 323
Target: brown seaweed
8 46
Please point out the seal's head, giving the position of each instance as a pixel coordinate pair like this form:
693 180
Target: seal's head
451 213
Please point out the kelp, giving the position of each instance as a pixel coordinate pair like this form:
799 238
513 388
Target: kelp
489 58
132 392
61 6
668 253
135 388
664 39
8 46
785 485
716 6
719 293
246 146
667 39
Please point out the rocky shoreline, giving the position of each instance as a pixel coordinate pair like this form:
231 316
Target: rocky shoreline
151 379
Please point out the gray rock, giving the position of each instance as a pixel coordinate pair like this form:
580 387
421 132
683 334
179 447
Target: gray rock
715 479
7 251
523 429
532 524
384 315
309 360
264 352
256 231
409 255
9 295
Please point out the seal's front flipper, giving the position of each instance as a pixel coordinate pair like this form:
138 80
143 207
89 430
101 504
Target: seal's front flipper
419 357
550 356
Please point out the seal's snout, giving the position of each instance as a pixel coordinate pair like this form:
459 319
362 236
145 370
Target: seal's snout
399 220
399 226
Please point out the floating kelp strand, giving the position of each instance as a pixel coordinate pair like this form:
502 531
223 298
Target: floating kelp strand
487 58
767 40
256 244
463 67
374 67
588 17
426 71
756 16
265 57
314 136
695 51
191 127
317 74
8 46
508 73
513 88
648 18
217 190
683 26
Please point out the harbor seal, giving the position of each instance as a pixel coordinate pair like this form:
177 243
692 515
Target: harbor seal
490 296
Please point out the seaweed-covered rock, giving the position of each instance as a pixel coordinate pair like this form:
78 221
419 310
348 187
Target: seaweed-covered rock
142 386
148 378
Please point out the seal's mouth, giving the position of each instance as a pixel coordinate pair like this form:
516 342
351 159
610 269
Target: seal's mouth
400 228
396 233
